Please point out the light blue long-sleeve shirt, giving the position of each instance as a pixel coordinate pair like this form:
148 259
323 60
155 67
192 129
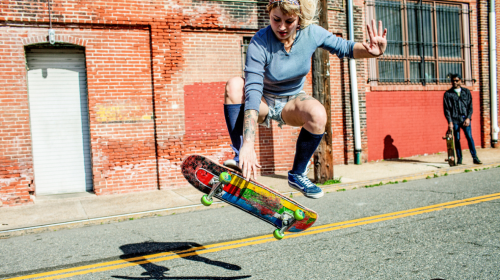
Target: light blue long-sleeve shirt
270 69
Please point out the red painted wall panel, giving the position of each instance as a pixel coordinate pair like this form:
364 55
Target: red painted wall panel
408 123
204 111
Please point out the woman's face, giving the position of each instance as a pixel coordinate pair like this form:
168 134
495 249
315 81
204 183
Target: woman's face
284 26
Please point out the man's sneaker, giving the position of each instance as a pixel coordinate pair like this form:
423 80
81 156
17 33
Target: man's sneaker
233 164
301 183
477 161
459 161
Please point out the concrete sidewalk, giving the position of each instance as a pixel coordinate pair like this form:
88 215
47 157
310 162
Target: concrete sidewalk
77 210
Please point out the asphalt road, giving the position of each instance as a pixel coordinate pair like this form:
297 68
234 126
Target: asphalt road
440 228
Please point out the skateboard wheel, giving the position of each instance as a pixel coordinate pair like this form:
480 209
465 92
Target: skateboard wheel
205 201
225 178
298 215
278 235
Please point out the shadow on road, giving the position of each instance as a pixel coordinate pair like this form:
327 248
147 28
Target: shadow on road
139 253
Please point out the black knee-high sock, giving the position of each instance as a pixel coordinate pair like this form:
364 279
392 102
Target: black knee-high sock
233 114
305 148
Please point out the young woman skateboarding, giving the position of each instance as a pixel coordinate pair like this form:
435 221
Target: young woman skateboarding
278 60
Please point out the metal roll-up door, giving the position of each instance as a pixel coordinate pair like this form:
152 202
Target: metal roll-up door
60 133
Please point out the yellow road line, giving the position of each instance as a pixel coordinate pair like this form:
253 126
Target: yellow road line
165 256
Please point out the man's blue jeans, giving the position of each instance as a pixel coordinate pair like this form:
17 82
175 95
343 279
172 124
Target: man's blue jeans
468 135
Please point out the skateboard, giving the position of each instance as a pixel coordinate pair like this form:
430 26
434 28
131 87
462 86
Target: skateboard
450 145
228 185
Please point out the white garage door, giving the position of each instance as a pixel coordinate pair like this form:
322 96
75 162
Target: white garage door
60 134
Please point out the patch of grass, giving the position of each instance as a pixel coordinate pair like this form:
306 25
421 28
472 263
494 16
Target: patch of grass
333 181
404 181
467 170
486 168
354 188
392 183
445 174
428 177
374 185
436 175
341 190
291 195
130 219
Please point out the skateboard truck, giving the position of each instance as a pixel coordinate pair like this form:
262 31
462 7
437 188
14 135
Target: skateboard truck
287 221
224 179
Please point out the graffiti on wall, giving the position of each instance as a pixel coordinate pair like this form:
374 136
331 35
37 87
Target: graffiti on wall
111 113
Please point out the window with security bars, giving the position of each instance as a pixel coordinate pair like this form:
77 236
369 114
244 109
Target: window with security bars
426 42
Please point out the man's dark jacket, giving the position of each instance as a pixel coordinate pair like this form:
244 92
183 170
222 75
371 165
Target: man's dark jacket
457 109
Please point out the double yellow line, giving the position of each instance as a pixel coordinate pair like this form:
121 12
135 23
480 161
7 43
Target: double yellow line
165 256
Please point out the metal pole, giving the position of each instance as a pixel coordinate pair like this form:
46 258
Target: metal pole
421 40
354 90
493 74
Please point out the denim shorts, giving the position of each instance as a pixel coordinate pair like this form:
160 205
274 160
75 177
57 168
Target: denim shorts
276 105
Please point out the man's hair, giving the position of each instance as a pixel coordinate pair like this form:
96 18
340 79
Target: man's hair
453 76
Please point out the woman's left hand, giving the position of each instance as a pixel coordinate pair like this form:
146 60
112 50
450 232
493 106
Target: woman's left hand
378 41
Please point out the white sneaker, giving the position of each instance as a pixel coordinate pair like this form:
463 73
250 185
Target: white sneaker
233 164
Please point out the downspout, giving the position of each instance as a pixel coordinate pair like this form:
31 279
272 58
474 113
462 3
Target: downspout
354 90
493 75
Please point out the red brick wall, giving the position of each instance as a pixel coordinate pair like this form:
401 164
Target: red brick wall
144 63
16 164
483 74
120 105
120 87
411 121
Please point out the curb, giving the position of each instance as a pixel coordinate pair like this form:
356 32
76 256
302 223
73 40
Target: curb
198 207
412 177
106 220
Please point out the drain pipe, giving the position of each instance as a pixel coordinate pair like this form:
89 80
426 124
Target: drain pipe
354 90
493 75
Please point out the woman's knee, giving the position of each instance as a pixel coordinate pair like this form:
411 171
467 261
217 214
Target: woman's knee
317 118
234 93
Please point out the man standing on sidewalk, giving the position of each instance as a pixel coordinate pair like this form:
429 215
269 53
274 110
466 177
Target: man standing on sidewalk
457 102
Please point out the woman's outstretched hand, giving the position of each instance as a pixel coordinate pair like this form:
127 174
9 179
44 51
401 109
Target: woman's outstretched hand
378 41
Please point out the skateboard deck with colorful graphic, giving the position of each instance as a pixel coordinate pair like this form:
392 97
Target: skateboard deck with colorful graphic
450 146
254 198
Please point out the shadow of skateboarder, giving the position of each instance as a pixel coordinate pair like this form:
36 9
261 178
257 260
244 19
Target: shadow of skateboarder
139 253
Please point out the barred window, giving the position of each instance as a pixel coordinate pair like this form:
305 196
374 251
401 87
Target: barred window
427 41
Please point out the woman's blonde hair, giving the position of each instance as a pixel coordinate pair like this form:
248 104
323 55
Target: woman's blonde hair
307 11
